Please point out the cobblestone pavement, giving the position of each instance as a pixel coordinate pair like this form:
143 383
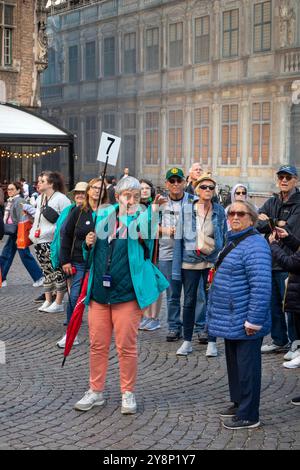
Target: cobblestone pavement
178 398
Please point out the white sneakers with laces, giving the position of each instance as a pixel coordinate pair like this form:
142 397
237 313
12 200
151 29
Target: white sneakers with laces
211 350
54 308
128 403
89 400
44 306
62 342
185 349
39 282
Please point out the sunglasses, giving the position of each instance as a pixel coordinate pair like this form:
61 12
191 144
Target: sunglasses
211 187
282 177
175 180
238 213
239 193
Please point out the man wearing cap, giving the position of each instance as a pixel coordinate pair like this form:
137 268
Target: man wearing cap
281 210
175 184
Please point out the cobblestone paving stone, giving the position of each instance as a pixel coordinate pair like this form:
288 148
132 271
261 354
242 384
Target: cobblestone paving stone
178 398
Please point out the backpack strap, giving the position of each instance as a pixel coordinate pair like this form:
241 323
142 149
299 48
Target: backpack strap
233 244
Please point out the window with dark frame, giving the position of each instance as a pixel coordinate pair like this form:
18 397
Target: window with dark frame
230 130
176 44
152 137
262 27
73 64
261 133
109 53
175 136
90 138
201 40
152 49
201 135
230 33
130 53
90 60
6 34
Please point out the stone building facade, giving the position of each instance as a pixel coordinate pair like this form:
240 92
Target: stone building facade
23 56
179 81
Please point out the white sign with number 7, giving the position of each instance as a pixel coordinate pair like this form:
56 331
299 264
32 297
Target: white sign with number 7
109 146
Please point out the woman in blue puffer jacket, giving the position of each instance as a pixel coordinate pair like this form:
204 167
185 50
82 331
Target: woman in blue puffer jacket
239 311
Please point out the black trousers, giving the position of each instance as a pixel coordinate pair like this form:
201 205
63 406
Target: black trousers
243 358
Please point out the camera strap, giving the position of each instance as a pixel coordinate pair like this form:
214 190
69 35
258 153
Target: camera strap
233 244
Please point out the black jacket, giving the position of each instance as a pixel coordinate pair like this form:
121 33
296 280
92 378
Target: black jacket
288 211
1 226
290 263
76 227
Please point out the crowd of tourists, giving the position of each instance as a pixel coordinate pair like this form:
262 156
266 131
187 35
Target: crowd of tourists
229 273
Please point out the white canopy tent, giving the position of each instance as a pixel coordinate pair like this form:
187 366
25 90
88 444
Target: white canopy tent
19 128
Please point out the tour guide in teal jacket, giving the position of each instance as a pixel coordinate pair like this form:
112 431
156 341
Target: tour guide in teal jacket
123 281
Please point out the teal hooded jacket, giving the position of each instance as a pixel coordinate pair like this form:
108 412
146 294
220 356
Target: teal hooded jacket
148 282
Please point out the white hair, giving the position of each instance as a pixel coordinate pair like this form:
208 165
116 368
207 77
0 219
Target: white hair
127 184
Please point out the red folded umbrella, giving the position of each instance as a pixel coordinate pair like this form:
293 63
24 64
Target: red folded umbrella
76 318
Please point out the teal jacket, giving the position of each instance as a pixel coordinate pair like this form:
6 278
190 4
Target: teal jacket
148 282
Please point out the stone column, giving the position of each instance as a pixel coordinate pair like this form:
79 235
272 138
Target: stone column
163 140
244 138
187 139
141 65
189 38
99 55
81 58
282 112
140 156
119 52
215 136
216 29
165 43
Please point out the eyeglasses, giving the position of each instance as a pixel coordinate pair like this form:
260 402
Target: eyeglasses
175 180
95 188
287 177
211 187
240 214
239 193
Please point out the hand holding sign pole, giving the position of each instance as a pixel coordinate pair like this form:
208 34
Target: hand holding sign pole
107 153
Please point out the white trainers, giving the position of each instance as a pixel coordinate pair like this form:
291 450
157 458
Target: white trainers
89 400
4 283
293 364
211 350
291 355
39 282
54 308
128 403
62 342
44 306
272 347
185 349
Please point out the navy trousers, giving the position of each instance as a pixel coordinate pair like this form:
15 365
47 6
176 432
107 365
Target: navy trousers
243 358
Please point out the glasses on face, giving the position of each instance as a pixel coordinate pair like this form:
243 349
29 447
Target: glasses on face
239 214
282 177
239 193
211 187
175 180
95 188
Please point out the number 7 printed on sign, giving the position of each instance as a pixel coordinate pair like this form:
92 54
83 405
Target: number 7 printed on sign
109 149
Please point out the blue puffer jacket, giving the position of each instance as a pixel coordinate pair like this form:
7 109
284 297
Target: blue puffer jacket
241 290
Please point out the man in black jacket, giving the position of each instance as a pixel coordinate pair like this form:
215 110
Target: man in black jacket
281 210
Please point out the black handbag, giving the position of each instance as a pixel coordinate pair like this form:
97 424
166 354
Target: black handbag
10 229
50 214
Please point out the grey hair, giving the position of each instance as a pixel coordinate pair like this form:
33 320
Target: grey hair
249 208
127 184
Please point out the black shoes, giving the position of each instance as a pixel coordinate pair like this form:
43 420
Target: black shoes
40 299
173 336
202 338
295 401
238 423
230 412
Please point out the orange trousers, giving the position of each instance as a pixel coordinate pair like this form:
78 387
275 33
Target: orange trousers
123 319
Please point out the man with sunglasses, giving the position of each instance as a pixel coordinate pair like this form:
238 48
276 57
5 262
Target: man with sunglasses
281 210
177 197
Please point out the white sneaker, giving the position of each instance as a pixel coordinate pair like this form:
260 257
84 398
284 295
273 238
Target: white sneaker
211 350
39 282
62 342
44 306
272 347
54 308
293 364
185 349
4 284
291 355
89 400
128 403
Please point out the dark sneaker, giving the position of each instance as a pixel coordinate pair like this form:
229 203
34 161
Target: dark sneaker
230 412
238 423
40 299
295 401
202 338
173 335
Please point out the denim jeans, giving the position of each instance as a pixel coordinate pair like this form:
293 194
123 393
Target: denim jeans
282 331
200 312
8 254
191 280
75 288
173 296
